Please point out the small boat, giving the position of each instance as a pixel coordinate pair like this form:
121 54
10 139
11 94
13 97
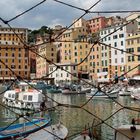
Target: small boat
82 137
124 92
99 94
75 89
53 132
22 130
136 94
23 97
54 89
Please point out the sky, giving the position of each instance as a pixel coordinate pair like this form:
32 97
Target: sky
51 13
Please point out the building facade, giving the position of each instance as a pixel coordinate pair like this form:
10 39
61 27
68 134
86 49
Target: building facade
133 55
112 50
47 52
14 56
65 74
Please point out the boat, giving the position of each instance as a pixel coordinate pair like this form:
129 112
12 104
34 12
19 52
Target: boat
54 89
82 137
95 93
75 89
125 91
136 93
23 97
125 132
52 132
22 130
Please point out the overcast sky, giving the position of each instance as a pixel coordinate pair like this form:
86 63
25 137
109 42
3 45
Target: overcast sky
51 13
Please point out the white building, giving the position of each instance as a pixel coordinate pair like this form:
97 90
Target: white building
113 60
65 73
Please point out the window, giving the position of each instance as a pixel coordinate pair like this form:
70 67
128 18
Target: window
138 49
138 57
122 60
30 97
121 43
105 62
121 35
133 59
129 58
67 75
102 63
115 37
115 60
115 44
75 53
115 52
13 55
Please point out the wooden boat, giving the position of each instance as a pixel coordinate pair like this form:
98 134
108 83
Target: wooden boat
23 97
59 131
22 130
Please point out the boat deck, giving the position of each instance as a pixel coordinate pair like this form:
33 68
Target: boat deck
59 131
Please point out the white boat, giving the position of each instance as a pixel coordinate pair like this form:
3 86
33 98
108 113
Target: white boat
53 132
82 137
128 132
125 91
95 93
136 93
23 97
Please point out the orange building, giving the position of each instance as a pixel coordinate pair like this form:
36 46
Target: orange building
13 55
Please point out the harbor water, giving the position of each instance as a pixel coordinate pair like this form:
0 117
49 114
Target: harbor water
77 118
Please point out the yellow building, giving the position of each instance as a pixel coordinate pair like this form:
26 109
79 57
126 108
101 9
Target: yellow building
132 61
48 51
13 54
75 47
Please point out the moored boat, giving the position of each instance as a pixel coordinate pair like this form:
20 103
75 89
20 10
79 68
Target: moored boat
22 130
95 93
136 93
23 97
53 132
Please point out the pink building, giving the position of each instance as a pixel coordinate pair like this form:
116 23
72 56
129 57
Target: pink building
97 23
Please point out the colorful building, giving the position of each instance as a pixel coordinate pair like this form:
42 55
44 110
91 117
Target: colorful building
133 59
13 53
65 74
112 51
47 52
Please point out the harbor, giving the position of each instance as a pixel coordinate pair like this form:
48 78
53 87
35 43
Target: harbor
76 120
70 76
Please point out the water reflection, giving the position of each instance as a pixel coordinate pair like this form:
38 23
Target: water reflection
76 119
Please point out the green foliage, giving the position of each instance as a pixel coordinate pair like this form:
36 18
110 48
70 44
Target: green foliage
42 31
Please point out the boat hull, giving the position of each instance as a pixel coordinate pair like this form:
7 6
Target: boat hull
23 129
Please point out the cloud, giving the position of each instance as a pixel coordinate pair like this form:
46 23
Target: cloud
50 12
